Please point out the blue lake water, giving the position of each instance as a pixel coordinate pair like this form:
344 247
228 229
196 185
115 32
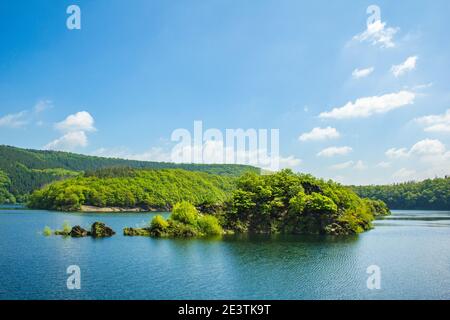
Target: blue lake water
412 249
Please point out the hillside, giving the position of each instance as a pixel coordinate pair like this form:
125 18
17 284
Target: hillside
130 188
28 170
430 194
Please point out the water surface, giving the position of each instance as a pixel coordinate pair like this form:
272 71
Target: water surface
412 248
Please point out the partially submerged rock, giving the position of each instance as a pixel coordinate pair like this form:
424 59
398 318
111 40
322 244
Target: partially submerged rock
100 230
79 232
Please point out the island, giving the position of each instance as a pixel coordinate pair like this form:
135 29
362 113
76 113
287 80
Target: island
208 204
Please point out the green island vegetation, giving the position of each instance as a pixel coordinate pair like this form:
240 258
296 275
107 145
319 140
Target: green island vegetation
130 188
29 170
202 203
184 221
430 194
291 203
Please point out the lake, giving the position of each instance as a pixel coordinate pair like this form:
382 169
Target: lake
411 248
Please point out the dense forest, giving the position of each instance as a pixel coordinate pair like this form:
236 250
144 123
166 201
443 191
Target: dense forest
296 204
282 202
28 170
431 194
5 183
129 188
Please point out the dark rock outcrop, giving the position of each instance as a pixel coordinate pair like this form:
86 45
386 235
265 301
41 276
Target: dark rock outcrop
78 232
100 230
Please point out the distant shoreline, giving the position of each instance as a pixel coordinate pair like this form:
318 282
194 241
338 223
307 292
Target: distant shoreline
94 209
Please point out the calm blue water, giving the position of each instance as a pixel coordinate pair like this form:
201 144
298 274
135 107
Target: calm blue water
412 249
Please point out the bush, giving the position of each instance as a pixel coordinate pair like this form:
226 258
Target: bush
47 231
184 212
209 225
158 226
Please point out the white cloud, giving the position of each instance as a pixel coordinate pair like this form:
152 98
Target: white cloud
404 175
408 65
436 123
43 105
428 147
320 134
429 157
334 151
395 153
68 142
14 120
384 164
20 119
358 74
344 165
74 127
368 106
378 34
80 121
360 165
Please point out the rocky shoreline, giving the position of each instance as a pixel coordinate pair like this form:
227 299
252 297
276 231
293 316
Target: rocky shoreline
93 209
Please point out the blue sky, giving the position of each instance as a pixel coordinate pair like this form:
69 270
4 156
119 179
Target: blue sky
138 70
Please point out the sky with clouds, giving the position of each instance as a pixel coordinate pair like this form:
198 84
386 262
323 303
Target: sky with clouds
358 102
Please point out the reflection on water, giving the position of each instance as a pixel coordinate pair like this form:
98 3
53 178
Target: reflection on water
411 248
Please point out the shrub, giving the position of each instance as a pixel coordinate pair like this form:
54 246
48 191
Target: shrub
158 226
184 212
47 231
209 225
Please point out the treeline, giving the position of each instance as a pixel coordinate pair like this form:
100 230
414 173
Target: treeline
130 188
29 170
431 194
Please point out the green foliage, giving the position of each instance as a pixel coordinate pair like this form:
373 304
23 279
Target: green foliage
29 170
430 194
209 225
184 212
66 227
296 203
47 231
185 221
5 195
157 189
158 226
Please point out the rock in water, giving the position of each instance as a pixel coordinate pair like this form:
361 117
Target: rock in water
78 232
100 230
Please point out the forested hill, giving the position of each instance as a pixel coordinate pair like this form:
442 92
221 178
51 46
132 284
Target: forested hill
25 170
431 194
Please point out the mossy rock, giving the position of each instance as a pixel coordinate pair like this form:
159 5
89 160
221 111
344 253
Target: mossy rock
79 232
100 230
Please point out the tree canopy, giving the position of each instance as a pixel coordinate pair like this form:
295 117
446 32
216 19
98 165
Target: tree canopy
430 194
298 203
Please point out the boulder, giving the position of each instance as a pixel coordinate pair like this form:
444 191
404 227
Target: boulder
100 230
78 232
